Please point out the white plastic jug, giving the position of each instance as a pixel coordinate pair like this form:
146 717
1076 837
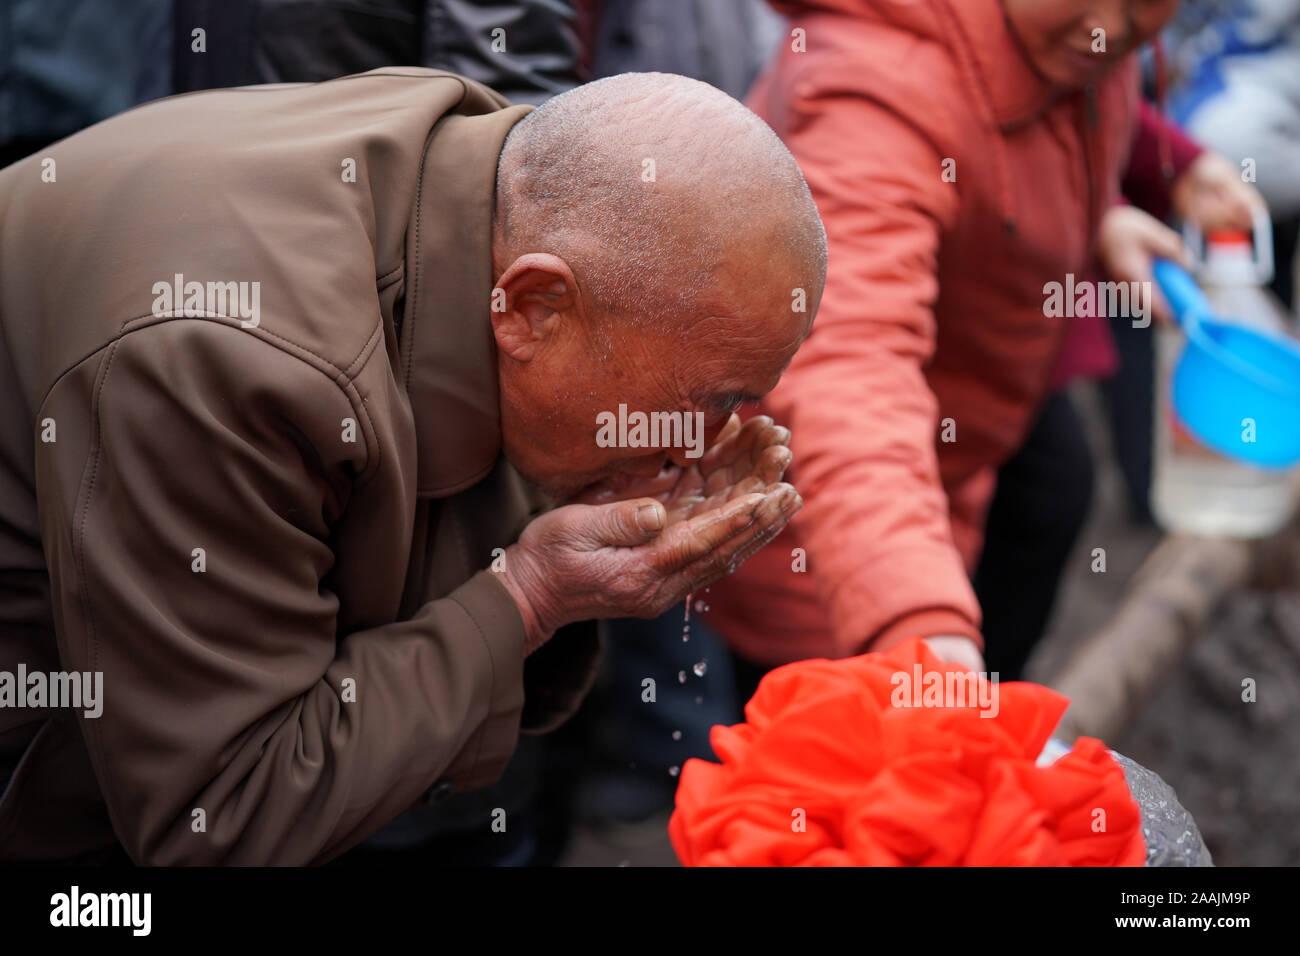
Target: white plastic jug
1194 489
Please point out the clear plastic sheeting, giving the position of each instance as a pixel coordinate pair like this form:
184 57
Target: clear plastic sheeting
1171 834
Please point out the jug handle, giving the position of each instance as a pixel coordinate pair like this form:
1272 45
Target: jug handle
1261 231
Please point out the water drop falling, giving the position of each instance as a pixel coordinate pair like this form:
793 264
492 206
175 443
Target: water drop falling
681 677
701 606
677 735
674 771
699 700
701 668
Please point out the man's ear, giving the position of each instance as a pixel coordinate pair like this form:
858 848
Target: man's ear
529 301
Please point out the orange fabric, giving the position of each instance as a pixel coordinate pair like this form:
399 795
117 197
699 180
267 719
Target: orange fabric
885 785
933 309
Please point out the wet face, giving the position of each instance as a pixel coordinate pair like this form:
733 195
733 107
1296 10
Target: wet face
564 372
1074 42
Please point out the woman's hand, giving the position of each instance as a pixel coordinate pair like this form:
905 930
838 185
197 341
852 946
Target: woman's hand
1212 194
957 650
1128 243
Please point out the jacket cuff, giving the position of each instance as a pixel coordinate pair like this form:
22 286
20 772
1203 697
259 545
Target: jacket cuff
501 629
935 623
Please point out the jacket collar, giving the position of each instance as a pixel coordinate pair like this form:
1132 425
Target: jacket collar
1015 91
447 352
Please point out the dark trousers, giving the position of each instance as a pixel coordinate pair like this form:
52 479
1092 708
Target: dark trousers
1037 512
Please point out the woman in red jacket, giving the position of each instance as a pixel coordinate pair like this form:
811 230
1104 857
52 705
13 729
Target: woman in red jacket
964 154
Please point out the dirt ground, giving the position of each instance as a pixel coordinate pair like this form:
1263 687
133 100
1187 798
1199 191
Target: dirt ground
1235 766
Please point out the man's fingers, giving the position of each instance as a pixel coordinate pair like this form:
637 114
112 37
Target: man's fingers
768 469
770 515
621 524
774 460
745 486
790 504
770 520
760 450
736 446
721 443
697 537
768 472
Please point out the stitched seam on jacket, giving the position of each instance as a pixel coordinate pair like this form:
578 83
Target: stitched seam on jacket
288 345
369 473
413 299
492 672
341 379
365 351
409 325
256 333
79 552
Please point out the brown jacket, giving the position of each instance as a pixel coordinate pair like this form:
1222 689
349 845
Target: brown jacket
266 520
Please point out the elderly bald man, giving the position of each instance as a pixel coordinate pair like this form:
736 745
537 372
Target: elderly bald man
288 370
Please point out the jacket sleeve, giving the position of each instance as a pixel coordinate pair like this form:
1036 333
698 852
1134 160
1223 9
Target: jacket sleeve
863 419
186 513
526 51
1144 182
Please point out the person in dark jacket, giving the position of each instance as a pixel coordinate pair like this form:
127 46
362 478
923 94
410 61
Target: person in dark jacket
65 64
526 50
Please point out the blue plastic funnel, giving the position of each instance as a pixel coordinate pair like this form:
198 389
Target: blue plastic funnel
1230 376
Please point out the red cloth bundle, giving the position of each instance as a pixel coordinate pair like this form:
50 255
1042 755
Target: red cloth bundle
829 771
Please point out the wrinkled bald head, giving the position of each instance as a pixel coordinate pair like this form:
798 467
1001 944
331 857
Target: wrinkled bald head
655 245
643 182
